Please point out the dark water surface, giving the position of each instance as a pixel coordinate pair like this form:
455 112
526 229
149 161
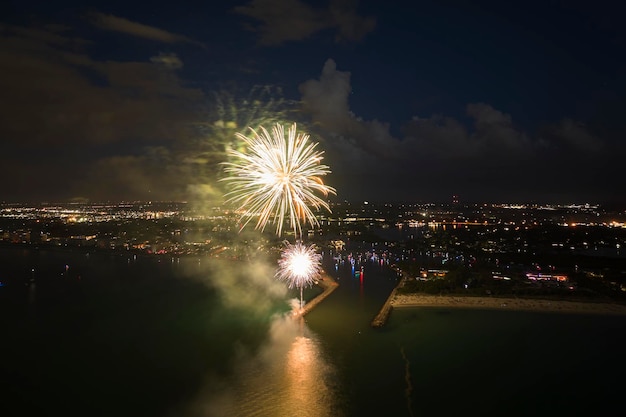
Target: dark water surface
115 335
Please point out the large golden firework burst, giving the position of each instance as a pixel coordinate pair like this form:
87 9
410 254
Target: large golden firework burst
277 177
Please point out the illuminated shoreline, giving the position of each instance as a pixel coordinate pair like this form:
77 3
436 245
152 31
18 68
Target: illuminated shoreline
503 303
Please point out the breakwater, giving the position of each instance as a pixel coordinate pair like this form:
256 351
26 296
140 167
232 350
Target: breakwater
381 318
328 285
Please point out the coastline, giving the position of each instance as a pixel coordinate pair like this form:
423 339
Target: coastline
503 303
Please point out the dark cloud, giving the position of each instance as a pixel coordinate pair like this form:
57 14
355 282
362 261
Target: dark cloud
294 20
119 24
350 26
439 137
570 136
170 61
77 120
326 101
492 135
439 155
282 21
494 130
56 95
61 111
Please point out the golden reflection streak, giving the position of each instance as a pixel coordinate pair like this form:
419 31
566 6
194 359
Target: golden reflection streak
306 375
289 376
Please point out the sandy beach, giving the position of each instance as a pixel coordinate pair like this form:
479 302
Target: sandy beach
498 303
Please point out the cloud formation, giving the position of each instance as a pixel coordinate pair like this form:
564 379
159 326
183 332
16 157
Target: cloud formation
65 112
170 60
570 136
98 127
490 153
281 21
122 25
326 101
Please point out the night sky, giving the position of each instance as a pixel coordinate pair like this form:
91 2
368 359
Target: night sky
487 100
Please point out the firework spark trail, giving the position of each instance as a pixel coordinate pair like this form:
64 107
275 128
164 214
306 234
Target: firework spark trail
230 114
407 378
277 177
299 266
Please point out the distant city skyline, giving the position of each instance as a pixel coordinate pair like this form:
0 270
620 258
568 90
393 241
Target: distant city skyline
453 200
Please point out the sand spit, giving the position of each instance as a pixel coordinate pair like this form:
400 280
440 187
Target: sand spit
500 303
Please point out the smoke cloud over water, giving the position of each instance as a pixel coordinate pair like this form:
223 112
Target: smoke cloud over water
277 368
248 285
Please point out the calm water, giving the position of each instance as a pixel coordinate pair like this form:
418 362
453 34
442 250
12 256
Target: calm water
105 335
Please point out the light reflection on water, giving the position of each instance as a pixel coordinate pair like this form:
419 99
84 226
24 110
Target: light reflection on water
287 376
